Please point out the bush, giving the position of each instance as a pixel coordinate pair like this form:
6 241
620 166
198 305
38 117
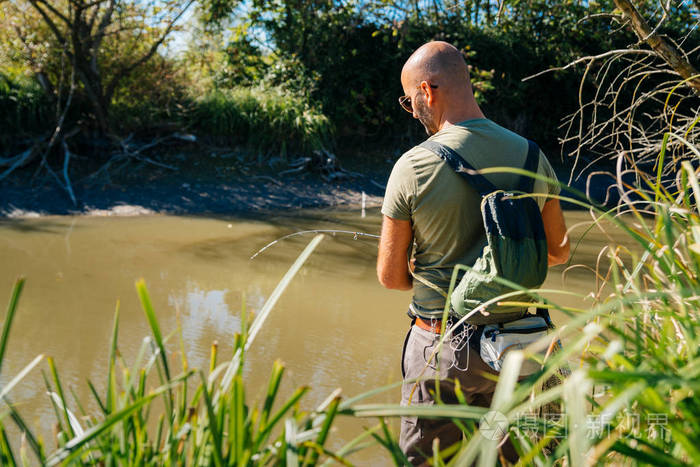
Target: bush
265 120
25 110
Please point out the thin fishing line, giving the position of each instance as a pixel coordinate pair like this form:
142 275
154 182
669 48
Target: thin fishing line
304 232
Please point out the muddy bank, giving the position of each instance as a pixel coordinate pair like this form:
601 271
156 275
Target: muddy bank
213 184
237 196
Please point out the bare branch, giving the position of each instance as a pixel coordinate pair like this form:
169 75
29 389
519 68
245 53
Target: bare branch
50 24
53 10
660 45
66 178
599 15
591 58
106 20
124 71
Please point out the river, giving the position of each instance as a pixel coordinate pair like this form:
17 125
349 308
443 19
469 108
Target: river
335 326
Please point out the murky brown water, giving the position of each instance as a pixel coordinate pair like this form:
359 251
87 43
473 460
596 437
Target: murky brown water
334 327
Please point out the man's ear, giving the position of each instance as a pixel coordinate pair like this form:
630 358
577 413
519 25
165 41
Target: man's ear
427 92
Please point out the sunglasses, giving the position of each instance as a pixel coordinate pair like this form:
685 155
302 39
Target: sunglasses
405 101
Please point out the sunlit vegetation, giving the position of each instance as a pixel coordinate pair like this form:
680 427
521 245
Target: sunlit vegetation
267 121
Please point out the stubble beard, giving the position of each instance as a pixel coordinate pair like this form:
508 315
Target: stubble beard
425 116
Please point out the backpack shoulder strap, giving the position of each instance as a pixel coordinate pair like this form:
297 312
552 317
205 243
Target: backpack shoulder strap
462 167
532 162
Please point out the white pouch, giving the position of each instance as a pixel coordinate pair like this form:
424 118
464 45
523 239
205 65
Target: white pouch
498 339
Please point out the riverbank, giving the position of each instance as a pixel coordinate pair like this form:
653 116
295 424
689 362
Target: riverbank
233 197
215 183
205 184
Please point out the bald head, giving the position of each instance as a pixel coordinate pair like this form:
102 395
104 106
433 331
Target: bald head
437 62
436 83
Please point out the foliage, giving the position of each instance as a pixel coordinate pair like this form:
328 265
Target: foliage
24 109
152 100
351 54
95 46
268 121
343 58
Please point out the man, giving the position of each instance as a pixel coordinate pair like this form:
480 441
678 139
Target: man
426 202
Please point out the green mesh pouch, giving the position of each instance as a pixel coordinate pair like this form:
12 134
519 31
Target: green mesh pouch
515 248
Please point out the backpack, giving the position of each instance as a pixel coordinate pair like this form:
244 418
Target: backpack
515 248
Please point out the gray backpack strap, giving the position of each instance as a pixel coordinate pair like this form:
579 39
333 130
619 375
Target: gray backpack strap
527 183
462 167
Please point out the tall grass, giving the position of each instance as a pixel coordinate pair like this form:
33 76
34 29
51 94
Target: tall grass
268 121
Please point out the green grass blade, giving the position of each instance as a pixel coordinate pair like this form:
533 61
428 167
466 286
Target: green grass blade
325 429
6 456
271 395
157 336
431 411
262 434
31 439
281 287
97 397
502 400
62 399
111 389
235 363
72 448
9 317
216 449
355 444
575 389
153 323
76 428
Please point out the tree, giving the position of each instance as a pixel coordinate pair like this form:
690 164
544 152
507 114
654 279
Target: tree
639 98
103 41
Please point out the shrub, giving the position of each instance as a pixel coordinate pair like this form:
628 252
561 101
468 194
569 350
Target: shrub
25 110
265 120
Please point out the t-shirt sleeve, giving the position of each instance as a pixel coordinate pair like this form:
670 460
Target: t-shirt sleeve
546 170
400 191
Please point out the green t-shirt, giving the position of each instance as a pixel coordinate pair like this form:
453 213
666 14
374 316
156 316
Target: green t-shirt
444 210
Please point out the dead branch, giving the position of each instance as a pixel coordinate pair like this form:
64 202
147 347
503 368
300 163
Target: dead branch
659 44
125 70
19 160
130 152
66 178
591 58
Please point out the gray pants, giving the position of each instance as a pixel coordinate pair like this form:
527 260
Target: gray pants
456 361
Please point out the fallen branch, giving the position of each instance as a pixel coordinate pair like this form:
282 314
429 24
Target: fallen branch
130 151
19 160
267 178
66 159
377 184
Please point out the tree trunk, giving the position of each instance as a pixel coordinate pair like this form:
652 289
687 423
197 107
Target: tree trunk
669 53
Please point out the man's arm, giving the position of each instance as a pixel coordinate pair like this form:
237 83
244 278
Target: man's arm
555 231
392 259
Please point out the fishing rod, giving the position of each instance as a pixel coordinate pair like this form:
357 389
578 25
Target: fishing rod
355 235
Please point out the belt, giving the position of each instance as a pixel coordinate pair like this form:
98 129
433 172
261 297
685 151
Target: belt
432 325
